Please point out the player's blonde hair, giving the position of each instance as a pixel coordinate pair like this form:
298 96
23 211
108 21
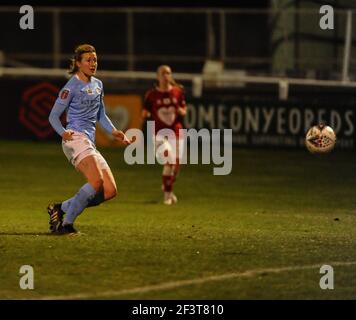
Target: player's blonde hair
173 82
78 52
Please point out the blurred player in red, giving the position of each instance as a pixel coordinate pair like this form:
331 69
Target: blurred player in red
165 105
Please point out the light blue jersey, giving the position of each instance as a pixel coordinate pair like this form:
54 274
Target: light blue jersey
84 104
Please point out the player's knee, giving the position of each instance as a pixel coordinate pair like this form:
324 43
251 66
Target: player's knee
98 183
110 193
167 170
113 193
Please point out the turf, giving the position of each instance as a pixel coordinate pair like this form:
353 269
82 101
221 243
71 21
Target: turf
276 209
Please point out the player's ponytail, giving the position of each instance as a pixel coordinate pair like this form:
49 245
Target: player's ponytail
174 83
78 52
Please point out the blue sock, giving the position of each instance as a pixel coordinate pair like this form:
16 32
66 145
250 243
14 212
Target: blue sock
97 199
66 204
73 207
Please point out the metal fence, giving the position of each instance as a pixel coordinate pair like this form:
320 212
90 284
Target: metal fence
285 42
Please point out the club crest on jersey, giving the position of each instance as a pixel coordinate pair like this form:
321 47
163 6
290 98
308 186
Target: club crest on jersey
98 90
166 101
64 94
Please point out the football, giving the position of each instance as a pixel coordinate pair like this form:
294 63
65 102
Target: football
320 139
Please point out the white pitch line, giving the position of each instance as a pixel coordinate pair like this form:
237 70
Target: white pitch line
182 283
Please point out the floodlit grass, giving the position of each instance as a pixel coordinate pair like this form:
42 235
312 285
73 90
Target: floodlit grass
276 209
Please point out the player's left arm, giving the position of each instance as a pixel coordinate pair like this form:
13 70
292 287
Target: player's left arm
108 126
182 107
147 106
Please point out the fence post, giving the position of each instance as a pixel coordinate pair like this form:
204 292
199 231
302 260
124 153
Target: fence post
56 39
222 36
130 41
2 58
210 36
347 47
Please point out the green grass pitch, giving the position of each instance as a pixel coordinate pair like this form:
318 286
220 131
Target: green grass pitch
277 209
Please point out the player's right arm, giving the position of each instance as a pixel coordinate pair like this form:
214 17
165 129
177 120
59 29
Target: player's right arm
59 107
182 109
147 106
146 114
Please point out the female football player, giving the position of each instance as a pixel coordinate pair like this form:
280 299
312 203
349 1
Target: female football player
82 98
165 105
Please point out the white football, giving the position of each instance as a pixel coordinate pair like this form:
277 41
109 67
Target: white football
320 139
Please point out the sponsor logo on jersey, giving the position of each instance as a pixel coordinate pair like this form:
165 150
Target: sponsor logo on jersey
166 101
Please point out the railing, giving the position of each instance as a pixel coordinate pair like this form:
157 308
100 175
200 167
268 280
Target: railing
265 41
281 47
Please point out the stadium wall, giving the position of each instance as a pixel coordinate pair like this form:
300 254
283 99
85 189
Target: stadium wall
254 113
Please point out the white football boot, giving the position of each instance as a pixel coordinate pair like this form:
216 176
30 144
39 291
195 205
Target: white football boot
174 198
168 198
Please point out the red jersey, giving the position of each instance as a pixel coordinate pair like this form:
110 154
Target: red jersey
163 106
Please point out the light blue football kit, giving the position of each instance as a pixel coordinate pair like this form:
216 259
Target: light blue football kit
84 104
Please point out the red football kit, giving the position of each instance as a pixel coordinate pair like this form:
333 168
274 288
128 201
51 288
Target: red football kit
163 106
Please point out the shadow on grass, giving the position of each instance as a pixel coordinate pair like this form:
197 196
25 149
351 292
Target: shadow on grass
26 234
142 202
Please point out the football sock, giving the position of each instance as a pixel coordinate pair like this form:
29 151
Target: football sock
98 198
167 195
167 183
74 206
176 168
